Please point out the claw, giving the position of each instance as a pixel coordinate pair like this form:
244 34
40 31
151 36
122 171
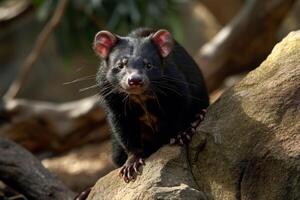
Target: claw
126 180
141 160
135 168
181 141
131 168
188 137
121 172
124 174
172 141
194 124
201 117
128 175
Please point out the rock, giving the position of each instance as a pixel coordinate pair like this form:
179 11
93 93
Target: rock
248 146
258 124
166 175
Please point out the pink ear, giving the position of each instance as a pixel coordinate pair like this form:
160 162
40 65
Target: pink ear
103 42
164 40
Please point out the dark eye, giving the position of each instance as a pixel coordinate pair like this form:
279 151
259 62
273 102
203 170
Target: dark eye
120 65
148 65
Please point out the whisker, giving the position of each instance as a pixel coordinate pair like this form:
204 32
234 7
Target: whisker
125 100
78 69
158 89
177 80
171 89
164 86
96 95
80 79
189 95
129 102
106 93
104 89
87 88
156 98
196 98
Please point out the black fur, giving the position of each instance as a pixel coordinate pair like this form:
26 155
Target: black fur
178 98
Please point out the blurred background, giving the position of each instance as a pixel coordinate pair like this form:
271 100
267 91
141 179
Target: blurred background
67 53
46 53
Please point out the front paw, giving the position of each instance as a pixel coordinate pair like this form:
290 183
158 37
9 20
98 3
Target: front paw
130 169
186 136
182 138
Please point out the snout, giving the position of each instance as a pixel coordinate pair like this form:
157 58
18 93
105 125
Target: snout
135 81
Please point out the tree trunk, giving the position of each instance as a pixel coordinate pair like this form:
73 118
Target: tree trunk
22 171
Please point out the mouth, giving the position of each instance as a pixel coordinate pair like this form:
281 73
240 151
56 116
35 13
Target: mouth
135 90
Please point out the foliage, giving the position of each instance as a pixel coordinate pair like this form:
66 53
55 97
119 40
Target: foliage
84 18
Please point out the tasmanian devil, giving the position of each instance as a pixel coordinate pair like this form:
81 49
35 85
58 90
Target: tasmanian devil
152 91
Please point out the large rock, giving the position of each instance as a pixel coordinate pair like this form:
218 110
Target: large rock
258 124
166 176
248 147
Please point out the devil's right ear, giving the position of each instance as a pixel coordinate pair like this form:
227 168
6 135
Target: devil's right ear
103 43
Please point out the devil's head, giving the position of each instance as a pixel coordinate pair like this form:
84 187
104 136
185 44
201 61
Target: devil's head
133 63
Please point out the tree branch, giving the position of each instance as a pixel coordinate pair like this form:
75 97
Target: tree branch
40 126
13 10
244 42
22 171
22 76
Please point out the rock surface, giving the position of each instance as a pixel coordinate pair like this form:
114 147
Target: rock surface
166 175
248 147
257 121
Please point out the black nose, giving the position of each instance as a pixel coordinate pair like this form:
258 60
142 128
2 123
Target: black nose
135 81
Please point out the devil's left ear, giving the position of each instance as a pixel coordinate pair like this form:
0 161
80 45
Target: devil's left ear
103 43
164 41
